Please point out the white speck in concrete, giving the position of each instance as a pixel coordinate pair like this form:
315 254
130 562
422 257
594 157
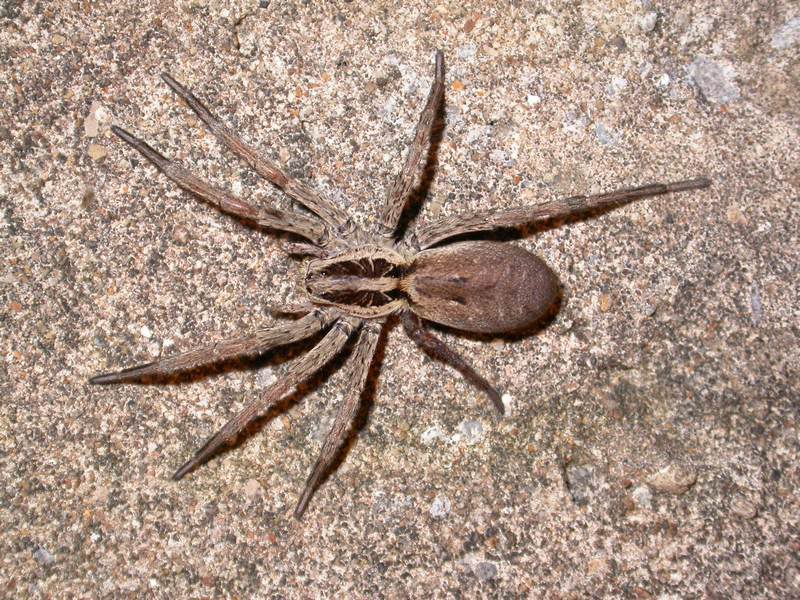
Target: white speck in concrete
508 403
265 377
574 124
498 156
440 507
647 22
472 431
467 52
755 304
253 489
643 497
616 86
431 434
98 118
90 123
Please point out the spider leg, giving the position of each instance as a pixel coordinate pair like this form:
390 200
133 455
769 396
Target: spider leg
269 170
269 217
246 345
404 183
454 225
360 361
292 309
438 349
300 249
300 370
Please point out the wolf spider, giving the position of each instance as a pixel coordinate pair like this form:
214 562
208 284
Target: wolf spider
355 280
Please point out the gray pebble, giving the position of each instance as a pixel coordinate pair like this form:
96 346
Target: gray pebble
743 507
584 482
43 557
717 81
485 570
673 479
431 434
755 304
648 310
467 51
604 135
787 35
472 431
252 489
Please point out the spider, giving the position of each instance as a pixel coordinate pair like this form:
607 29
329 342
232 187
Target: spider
354 281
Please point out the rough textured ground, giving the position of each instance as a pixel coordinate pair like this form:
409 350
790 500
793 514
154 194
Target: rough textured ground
652 449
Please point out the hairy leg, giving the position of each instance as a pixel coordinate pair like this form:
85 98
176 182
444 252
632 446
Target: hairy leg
514 217
360 361
269 170
301 249
307 227
404 183
438 349
299 371
246 345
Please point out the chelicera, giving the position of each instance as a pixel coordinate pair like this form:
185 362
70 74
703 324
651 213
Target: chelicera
354 281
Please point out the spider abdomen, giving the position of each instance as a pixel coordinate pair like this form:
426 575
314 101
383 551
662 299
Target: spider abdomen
485 287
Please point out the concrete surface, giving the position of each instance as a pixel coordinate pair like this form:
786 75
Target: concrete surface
652 449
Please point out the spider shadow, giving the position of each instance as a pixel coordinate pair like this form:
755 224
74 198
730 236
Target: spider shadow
304 389
420 192
274 357
286 402
528 230
365 406
367 400
308 387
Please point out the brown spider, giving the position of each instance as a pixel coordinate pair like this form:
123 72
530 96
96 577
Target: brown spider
356 280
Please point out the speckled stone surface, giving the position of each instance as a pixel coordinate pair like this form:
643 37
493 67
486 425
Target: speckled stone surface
652 446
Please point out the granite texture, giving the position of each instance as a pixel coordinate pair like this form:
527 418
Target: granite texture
652 445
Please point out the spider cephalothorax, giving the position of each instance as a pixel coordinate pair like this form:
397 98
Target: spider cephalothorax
356 280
